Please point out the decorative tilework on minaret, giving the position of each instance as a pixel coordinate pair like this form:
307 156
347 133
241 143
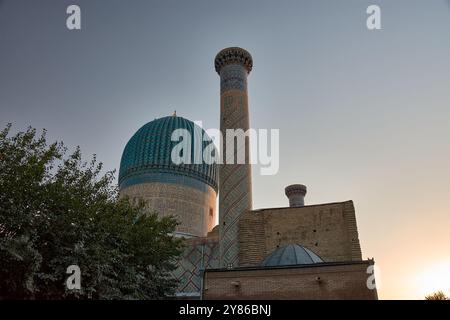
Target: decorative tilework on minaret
235 187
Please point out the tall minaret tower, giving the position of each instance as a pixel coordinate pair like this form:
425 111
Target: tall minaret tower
235 184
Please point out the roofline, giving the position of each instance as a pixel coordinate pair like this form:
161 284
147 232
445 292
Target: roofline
305 206
295 266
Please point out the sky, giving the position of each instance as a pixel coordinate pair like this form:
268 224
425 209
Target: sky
363 115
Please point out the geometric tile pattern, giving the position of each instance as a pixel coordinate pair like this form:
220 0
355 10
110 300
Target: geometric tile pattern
195 259
233 77
235 189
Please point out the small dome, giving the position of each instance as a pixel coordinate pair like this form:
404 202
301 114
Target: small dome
148 153
292 254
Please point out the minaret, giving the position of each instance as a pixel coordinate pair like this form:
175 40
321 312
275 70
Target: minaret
235 187
296 194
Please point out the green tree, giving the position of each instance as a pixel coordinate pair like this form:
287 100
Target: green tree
57 211
439 295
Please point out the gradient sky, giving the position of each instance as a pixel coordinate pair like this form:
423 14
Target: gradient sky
363 115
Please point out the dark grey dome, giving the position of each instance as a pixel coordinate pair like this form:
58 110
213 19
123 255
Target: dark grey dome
292 254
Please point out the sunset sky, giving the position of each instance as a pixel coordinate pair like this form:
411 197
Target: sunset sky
363 115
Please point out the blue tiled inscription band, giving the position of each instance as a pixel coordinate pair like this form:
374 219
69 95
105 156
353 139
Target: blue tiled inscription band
233 77
163 177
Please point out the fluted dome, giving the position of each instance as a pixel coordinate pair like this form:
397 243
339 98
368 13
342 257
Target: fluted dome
148 154
289 255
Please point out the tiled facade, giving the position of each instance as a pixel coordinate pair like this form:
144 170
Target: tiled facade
195 209
235 197
199 254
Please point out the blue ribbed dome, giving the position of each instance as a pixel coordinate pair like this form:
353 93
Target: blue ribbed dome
148 155
289 255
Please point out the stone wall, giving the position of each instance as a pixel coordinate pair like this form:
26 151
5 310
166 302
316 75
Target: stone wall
329 230
322 281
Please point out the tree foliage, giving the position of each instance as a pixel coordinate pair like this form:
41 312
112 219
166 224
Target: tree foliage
57 211
439 295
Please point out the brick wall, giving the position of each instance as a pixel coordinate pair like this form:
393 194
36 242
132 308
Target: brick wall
329 230
324 281
194 209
